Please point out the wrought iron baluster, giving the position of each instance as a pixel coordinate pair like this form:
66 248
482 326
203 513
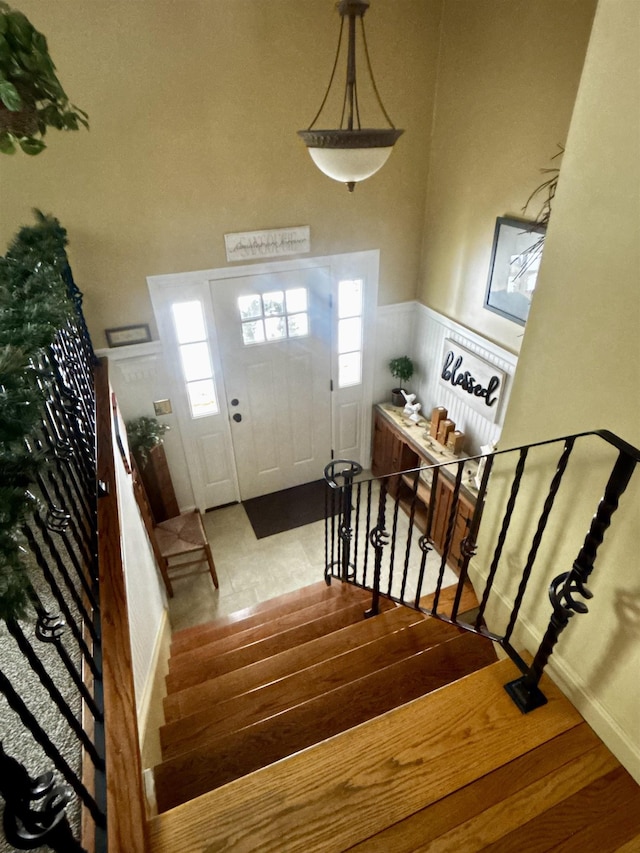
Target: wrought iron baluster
378 539
394 532
86 617
62 604
365 563
525 691
38 667
425 547
468 544
407 553
29 721
448 537
34 812
506 521
537 538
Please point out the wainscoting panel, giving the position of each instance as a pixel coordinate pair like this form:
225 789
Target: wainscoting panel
430 331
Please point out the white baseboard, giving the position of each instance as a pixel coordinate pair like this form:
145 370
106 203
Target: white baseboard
568 680
160 649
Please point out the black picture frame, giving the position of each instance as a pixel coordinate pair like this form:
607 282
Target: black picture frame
513 270
124 336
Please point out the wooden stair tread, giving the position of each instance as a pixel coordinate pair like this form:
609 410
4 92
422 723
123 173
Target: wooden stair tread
502 794
201 696
263 702
276 624
201 668
468 599
219 761
361 782
588 809
255 614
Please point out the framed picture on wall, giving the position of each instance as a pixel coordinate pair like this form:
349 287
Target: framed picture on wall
513 271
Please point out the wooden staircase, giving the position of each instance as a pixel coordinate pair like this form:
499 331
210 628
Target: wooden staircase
299 725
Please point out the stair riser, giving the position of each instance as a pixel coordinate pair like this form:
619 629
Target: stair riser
254 706
218 762
202 696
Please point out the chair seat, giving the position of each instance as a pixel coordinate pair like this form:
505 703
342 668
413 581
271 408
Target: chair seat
180 535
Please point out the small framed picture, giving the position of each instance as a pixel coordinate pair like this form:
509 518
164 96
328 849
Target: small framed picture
515 259
126 335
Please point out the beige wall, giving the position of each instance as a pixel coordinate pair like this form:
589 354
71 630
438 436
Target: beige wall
578 369
194 108
507 80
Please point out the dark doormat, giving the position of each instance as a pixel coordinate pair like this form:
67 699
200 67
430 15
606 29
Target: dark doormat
287 509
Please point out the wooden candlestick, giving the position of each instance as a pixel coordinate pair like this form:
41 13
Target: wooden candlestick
444 429
455 441
437 416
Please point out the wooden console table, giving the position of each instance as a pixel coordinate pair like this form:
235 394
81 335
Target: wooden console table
399 445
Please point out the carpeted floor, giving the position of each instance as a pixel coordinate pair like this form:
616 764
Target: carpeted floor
280 511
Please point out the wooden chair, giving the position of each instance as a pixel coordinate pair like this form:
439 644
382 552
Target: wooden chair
174 538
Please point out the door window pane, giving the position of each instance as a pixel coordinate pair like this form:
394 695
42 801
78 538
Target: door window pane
350 332
349 335
202 398
296 300
189 322
274 316
350 298
350 369
253 333
273 303
195 361
298 325
195 357
275 328
250 306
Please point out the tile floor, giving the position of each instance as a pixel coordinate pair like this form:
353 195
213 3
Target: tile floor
249 570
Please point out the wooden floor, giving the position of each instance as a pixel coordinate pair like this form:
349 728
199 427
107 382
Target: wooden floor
458 769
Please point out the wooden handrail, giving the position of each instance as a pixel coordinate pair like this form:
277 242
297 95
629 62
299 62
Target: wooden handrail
126 810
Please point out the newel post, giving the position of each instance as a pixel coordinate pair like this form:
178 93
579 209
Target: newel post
332 474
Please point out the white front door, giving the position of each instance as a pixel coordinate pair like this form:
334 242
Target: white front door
269 401
274 336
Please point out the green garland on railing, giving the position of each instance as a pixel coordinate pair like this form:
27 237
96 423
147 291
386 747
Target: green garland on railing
33 306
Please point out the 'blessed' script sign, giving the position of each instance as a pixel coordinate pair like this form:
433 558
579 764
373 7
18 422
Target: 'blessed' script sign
479 382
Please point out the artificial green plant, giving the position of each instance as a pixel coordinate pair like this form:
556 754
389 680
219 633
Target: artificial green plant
33 306
31 96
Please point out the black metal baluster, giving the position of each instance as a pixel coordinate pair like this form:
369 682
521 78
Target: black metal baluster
62 604
378 539
38 667
448 537
407 553
34 811
64 574
425 547
506 521
525 691
29 721
537 538
394 532
356 533
365 562
468 544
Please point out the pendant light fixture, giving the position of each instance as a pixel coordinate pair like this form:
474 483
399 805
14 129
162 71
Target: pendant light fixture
350 153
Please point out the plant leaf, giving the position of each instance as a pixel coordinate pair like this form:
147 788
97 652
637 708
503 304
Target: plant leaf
32 146
6 143
9 96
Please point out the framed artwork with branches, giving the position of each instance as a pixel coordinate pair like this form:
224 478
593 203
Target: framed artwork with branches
513 270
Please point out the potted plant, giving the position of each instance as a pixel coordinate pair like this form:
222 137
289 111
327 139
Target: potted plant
144 434
401 369
31 96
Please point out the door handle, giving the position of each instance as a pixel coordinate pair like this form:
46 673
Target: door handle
237 417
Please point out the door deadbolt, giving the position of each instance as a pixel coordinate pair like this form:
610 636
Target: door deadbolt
235 402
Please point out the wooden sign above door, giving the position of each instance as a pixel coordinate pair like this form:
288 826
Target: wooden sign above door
272 243
479 382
